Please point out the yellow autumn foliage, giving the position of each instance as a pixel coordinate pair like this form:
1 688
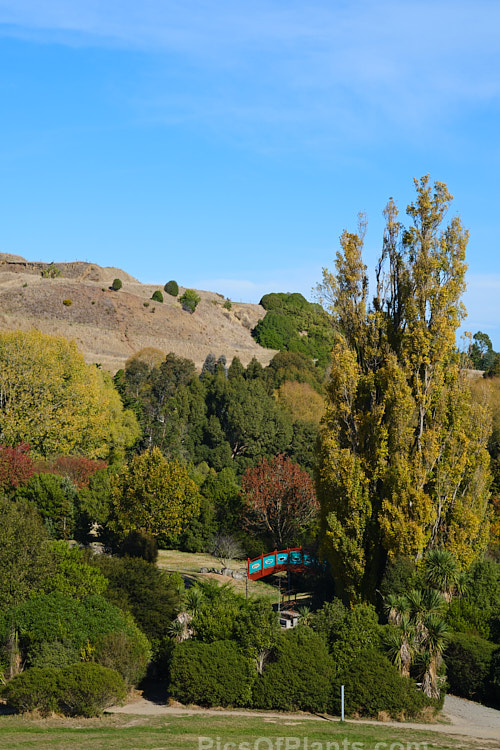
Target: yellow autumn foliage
51 399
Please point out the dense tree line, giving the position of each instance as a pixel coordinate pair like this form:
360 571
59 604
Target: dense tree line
361 438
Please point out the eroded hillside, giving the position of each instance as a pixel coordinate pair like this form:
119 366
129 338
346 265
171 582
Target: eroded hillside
111 326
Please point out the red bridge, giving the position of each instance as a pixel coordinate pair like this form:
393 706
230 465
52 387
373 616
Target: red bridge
294 558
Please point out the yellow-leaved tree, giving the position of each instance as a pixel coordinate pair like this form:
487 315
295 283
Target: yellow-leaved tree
51 399
154 495
403 465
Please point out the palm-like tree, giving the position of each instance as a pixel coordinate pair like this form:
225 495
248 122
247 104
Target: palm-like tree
396 607
437 635
441 572
193 599
401 644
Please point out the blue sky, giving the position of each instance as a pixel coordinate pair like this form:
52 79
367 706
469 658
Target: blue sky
227 144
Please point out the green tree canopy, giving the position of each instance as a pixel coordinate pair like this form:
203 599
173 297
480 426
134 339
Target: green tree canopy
154 495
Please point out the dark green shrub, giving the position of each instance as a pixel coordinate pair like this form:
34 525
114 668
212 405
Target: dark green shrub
47 618
298 678
465 617
139 587
228 304
55 498
53 655
275 331
35 689
157 296
210 674
124 654
189 300
494 679
172 288
373 684
398 576
140 544
468 662
87 689
116 285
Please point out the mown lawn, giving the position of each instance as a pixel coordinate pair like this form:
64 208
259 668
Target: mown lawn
124 732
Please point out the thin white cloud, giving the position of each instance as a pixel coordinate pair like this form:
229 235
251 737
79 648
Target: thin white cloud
354 65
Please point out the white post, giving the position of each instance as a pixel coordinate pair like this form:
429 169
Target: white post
341 703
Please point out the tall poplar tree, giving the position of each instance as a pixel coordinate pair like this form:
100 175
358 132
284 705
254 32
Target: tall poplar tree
403 465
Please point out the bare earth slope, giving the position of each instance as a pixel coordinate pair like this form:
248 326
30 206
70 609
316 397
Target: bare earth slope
109 327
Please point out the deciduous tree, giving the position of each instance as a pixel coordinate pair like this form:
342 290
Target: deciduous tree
52 400
154 495
280 499
403 460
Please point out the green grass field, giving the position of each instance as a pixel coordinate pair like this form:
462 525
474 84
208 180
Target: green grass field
188 564
124 732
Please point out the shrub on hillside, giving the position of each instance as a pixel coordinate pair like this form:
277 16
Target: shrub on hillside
51 272
210 674
172 288
157 296
116 285
468 663
67 302
298 677
189 300
373 684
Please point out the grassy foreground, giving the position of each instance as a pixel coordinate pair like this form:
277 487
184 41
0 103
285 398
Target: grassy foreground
120 732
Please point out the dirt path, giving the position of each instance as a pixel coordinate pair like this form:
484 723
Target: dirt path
465 717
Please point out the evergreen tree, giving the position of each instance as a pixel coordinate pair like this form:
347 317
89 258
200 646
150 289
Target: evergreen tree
403 466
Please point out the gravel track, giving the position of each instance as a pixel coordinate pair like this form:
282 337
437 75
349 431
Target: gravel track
466 719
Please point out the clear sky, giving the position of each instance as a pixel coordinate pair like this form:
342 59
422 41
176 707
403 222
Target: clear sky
226 144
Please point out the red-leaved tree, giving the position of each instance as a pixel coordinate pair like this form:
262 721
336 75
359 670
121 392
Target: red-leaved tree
279 499
16 466
76 468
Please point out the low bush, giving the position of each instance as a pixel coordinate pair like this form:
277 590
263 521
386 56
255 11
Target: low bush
48 618
67 302
123 654
468 662
298 677
210 674
77 690
228 304
87 689
116 285
157 296
51 272
373 684
36 689
172 288
189 300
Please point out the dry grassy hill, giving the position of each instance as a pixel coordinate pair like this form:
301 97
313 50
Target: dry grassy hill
109 327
